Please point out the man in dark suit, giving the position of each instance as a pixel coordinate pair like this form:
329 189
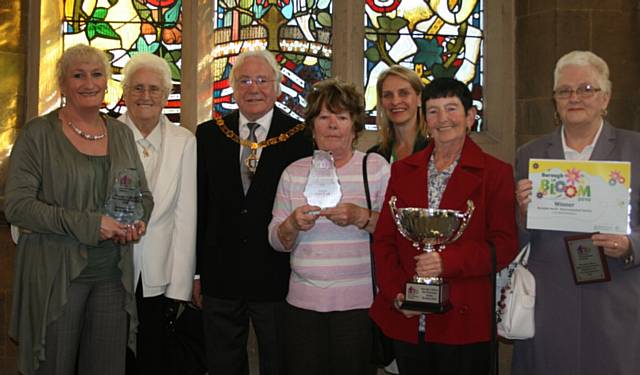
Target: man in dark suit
242 279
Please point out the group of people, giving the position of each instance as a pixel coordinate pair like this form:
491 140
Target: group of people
225 224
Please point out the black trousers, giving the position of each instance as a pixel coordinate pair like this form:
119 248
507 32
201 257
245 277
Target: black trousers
440 359
226 330
328 343
154 339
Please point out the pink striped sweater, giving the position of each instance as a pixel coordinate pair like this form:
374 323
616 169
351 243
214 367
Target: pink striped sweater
330 265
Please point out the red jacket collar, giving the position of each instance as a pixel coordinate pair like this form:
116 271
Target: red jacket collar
466 178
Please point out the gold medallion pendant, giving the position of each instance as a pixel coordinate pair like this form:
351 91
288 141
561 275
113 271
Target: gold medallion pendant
251 161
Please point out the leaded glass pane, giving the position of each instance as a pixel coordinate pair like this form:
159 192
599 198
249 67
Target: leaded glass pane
297 31
436 38
123 28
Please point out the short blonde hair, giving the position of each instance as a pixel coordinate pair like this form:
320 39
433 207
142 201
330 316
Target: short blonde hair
383 123
81 53
584 59
263 54
151 62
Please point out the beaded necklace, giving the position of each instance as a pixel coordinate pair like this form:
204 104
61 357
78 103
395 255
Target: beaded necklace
87 136
252 160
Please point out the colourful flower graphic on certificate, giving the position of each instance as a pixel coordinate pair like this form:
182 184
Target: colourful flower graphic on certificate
573 176
579 196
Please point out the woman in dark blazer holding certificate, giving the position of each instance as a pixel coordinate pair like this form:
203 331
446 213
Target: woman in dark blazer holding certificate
587 328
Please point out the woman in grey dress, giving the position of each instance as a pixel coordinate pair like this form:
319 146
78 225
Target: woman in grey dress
73 283
587 328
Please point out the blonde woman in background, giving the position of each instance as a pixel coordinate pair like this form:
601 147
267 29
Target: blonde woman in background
400 121
399 118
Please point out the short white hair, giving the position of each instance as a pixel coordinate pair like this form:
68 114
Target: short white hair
151 62
263 54
584 59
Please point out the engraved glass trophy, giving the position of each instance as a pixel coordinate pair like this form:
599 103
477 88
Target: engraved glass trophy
323 187
125 201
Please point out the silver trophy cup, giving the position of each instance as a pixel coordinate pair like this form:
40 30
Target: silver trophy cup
430 230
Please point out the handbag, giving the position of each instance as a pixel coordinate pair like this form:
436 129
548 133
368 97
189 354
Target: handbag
516 296
381 346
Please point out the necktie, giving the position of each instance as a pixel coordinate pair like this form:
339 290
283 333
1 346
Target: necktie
246 151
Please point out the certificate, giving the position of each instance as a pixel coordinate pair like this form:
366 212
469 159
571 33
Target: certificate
579 196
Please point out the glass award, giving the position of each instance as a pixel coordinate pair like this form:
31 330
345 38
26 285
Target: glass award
125 201
323 187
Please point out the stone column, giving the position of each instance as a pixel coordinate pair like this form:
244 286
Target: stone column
548 29
12 95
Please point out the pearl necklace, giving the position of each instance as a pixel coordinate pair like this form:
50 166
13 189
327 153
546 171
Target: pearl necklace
88 137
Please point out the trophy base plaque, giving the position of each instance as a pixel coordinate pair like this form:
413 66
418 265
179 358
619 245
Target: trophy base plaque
427 298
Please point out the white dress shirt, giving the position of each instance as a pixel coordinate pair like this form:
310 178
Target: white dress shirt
585 154
261 131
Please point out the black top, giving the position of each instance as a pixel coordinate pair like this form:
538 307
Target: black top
419 144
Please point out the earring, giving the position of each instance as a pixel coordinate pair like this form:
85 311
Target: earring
604 112
556 118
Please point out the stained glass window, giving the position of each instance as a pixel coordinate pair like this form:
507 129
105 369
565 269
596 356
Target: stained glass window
298 32
436 38
123 28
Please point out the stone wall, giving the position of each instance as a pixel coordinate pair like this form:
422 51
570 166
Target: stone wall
547 29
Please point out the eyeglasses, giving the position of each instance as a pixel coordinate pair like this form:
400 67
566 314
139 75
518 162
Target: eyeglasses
582 92
260 82
153 90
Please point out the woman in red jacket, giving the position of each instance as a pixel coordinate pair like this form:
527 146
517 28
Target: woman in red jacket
450 171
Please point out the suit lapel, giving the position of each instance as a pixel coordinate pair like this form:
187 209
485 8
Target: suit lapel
268 153
230 151
602 151
554 147
165 166
605 144
466 178
412 189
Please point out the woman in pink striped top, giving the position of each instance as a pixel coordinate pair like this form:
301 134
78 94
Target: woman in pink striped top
328 330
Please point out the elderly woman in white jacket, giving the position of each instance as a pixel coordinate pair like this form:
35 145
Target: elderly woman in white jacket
164 259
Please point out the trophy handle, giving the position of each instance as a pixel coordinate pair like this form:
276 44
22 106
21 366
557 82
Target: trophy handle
396 219
392 205
466 217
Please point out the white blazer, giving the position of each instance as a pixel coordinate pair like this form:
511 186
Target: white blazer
166 254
